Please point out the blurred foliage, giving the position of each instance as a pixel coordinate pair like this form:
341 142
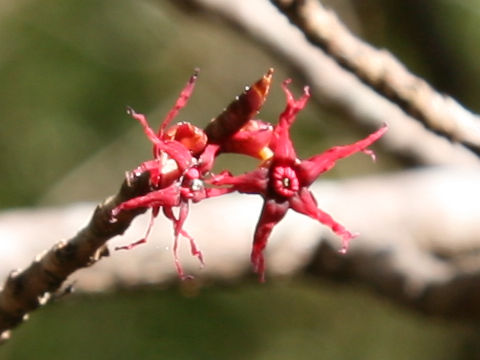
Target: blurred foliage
285 320
67 71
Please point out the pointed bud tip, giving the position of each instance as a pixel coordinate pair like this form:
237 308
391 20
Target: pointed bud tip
130 111
269 74
306 90
196 71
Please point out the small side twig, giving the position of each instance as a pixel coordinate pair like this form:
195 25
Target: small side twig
26 290
380 70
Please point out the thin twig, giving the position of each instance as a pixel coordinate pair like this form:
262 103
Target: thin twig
384 73
26 290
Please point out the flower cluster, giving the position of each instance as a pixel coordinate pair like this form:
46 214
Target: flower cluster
183 157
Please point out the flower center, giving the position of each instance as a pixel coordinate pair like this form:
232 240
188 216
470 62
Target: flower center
285 181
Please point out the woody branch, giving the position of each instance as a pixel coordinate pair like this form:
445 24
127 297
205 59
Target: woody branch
415 250
380 70
25 290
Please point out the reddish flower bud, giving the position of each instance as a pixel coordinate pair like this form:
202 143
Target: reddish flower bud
252 139
190 136
240 111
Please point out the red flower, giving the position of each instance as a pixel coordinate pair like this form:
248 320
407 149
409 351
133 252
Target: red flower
284 179
184 154
178 194
174 176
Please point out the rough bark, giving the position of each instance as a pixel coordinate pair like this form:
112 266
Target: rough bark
25 290
418 244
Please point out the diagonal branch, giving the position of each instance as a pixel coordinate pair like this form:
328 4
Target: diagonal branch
419 251
26 290
380 70
331 84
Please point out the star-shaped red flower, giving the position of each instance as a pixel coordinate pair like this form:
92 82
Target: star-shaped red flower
283 180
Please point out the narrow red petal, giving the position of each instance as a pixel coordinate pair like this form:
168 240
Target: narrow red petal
214 192
132 245
281 142
180 103
169 196
253 182
207 157
272 213
168 212
178 230
174 149
152 136
182 216
147 233
310 169
306 204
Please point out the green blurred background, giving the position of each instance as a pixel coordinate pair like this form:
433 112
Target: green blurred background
67 71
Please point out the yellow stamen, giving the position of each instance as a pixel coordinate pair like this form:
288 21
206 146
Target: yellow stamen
265 154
